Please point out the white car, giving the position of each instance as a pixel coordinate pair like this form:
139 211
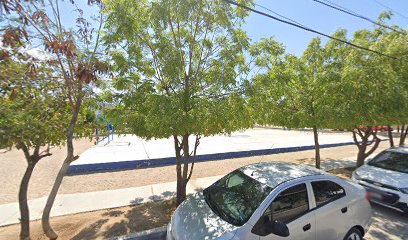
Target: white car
386 178
274 201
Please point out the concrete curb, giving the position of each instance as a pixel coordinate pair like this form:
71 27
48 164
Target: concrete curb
136 164
152 234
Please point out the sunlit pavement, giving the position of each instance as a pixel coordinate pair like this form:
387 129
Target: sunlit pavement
388 224
129 151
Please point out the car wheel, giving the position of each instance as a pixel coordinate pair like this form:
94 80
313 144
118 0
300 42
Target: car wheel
353 234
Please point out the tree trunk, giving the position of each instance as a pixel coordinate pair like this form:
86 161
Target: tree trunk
181 190
182 178
390 136
180 195
317 146
361 157
365 134
45 220
184 171
186 157
362 147
22 202
403 135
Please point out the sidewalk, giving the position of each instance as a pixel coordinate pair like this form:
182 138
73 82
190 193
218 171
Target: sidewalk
84 202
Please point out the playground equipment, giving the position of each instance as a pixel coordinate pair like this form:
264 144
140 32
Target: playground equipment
100 132
100 136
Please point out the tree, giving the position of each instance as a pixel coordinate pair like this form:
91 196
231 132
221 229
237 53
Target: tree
291 92
394 44
32 106
357 78
74 50
369 93
180 68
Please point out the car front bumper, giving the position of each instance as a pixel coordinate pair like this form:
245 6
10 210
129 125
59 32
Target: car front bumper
384 196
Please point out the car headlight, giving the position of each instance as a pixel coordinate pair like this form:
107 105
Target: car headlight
356 176
404 190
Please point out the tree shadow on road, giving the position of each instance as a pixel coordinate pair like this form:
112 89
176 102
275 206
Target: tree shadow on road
387 224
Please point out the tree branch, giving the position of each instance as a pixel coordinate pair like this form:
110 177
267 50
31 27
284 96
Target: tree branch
355 138
373 148
197 142
26 152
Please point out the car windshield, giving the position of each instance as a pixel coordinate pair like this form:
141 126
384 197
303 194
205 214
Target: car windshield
394 161
235 197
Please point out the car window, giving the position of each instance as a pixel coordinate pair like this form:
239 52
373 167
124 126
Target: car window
234 180
326 191
289 204
394 161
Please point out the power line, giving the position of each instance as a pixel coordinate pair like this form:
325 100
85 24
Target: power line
383 5
277 14
345 10
308 29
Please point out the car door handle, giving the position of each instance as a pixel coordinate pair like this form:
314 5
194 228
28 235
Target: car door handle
344 210
307 227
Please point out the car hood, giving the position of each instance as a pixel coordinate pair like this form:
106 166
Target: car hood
384 176
194 219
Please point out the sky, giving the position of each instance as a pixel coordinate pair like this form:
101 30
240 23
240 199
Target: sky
306 12
318 17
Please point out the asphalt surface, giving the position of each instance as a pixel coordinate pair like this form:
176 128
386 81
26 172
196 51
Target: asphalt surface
388 224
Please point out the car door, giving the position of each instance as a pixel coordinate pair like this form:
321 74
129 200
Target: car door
331 210
292 206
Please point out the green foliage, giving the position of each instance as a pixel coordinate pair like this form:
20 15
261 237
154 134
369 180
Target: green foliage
180 67
332 86
372 89
293 91
32 108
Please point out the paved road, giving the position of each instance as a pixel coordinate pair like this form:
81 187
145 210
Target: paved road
388 224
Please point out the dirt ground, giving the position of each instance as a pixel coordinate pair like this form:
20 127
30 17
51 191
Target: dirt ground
101 224
12 165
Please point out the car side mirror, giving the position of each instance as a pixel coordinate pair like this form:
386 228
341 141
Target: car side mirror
265 227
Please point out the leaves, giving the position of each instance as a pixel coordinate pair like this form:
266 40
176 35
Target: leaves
179 67
332 86
32 105
63 46
14 37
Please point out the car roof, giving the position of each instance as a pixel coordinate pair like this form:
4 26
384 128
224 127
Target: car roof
275 173
398 150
